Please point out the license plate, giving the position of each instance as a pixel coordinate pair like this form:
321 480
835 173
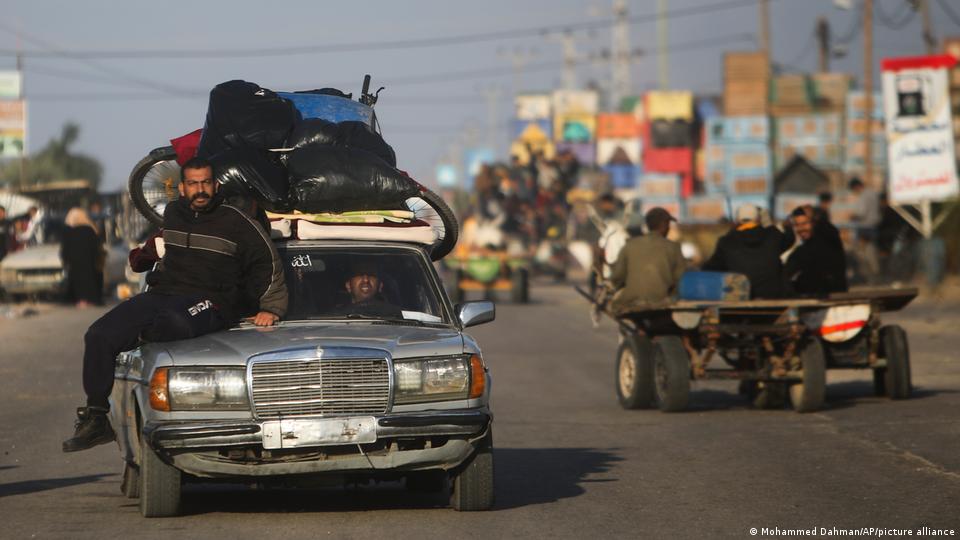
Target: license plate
319 432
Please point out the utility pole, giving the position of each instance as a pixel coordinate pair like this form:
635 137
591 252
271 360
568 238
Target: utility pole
929 38
518 59
23 100
823 41
492 96
765 29
868 88
663 72
620 49
568 78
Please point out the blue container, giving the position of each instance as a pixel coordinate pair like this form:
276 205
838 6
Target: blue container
623 176
714 286
737 129
329 108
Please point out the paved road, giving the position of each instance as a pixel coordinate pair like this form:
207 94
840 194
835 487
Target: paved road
570 463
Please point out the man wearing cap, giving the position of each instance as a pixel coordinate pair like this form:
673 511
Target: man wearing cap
753 250
649 266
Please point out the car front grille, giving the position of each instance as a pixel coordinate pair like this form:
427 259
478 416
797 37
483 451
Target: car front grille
320 387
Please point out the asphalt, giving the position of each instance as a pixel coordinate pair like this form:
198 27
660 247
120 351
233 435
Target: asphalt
570 463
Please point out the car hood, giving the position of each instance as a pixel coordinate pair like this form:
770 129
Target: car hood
236 345
35 257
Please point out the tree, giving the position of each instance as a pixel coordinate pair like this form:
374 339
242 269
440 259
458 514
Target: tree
55 161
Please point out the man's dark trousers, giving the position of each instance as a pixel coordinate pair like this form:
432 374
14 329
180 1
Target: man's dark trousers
148 316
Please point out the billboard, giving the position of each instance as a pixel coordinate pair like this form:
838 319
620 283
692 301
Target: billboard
13 128
10 84
916 104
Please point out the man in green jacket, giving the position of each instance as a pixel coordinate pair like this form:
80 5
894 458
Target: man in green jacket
649 267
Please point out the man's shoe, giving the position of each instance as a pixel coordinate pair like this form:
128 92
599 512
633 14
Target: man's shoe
92 429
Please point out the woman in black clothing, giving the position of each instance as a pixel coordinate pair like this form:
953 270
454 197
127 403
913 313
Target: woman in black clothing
81 251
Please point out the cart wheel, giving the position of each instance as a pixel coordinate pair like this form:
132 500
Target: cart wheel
893 343
672 374
520 286
808 395
635 382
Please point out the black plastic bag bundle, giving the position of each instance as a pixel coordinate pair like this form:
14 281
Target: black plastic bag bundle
243 115
350 133
252 173
326 178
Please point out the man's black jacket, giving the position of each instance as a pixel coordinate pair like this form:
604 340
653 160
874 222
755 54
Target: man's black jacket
223 254
754 252
819 266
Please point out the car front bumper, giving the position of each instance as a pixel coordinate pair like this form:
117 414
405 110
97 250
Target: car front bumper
204 449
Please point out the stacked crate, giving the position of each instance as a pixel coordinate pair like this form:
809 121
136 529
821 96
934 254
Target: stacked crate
951 46
791 95
738 163
668 136
746 77
861 125
619 148
816 137
532 127
575 123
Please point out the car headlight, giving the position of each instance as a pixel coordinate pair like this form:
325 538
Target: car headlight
199 388
441 379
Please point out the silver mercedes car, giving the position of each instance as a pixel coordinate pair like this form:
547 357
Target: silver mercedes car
370 375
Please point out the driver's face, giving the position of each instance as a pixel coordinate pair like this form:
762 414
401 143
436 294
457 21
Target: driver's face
363 286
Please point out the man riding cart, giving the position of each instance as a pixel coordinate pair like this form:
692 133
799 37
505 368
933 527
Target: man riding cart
776 345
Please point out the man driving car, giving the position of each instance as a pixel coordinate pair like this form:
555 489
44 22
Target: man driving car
365 288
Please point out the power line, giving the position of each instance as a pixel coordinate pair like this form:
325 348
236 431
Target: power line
953 15
853 30
807 47
182 54
905 15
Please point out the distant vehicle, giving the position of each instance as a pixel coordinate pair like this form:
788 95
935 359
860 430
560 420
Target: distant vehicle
37 271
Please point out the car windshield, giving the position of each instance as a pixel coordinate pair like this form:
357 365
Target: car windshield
360 283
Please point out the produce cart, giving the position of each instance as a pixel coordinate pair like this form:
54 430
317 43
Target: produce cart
779 346
489 271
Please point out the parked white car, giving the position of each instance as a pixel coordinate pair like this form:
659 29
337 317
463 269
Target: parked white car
37 271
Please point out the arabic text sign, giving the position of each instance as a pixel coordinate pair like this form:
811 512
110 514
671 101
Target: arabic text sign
10 84
919 132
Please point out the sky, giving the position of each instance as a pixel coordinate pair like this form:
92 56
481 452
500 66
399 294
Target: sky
436 100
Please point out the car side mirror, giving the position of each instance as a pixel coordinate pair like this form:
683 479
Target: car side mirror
474 313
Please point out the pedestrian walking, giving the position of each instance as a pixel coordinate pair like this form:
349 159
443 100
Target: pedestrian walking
81 252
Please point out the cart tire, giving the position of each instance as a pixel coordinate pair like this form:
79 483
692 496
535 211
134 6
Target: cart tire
808 395
473 481
159 485
893 341
159 164
430 207
520 286
634 380
130 482
671 374
880 381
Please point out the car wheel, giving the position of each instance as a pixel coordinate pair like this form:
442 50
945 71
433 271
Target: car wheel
130 482
672 373
893 340
159 485
808 395
473 482
634 375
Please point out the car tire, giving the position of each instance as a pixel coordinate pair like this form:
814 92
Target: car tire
634 377
897 378
159 485
672 374
809 394
473 481
520 286
130 481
